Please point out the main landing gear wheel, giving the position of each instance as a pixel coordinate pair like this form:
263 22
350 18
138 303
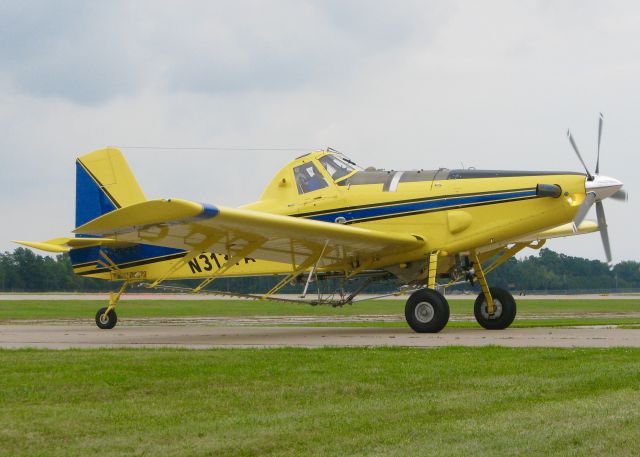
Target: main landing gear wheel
427 311
106 322
504 312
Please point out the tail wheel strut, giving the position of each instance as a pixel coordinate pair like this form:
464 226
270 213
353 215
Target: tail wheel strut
106 318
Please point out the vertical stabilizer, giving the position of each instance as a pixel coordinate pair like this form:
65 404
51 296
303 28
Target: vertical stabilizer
104 182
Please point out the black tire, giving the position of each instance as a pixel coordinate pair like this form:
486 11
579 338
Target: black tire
109 322
505 310
427 311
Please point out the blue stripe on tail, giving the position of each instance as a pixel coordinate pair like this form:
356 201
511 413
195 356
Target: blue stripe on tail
91 199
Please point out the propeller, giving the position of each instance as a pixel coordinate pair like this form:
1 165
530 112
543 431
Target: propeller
600 122
604 233
575 148
597 189
620 196
583 210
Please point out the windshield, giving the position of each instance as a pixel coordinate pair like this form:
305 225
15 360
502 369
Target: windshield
336 167
308 178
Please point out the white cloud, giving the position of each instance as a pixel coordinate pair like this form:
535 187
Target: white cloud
90 52
393 84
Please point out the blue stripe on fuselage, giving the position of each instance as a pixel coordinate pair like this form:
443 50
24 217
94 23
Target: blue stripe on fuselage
421 206
120 256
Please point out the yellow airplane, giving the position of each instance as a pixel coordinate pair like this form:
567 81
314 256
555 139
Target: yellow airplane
321 217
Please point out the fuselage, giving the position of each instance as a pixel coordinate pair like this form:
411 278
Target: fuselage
453 211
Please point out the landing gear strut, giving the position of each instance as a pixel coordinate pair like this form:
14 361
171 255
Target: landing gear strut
106 318
495 308
427 311
504 310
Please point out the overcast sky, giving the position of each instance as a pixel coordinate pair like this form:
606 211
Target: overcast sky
395 84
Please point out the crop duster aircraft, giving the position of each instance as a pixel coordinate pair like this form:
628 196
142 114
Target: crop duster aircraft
322 216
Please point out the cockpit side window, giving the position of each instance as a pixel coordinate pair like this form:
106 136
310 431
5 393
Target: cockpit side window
308 178
335 167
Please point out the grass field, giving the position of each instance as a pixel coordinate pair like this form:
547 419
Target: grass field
555 312
386 401
448 401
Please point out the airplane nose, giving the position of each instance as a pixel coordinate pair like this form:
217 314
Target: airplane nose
603 186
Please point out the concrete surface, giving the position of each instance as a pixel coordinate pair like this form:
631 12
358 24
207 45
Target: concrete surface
162 296
87 335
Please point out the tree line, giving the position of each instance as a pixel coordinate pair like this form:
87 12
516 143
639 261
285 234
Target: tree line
551 271
24 271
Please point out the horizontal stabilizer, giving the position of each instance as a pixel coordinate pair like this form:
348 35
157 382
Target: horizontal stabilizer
64 244
150 212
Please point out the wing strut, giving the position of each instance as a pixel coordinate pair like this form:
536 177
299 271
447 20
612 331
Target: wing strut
197 250
297 271
176 265
313 270
507 253
231 261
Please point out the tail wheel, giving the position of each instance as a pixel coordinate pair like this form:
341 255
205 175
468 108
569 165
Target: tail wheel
427 311
106 322
505 310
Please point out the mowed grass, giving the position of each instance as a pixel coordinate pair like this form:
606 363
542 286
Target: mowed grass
43 309
386 401
554 312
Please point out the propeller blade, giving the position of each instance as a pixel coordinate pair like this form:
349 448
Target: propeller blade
600 121
583 210
604 233
575 148
621 196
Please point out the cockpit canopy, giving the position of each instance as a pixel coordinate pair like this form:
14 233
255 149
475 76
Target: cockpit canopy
338 167
326 171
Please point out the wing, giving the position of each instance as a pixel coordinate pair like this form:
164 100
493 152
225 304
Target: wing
197 227
522 242
562 231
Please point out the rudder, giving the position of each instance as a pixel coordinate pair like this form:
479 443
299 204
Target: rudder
104 182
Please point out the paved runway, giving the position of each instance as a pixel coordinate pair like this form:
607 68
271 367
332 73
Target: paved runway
86 335
162 296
